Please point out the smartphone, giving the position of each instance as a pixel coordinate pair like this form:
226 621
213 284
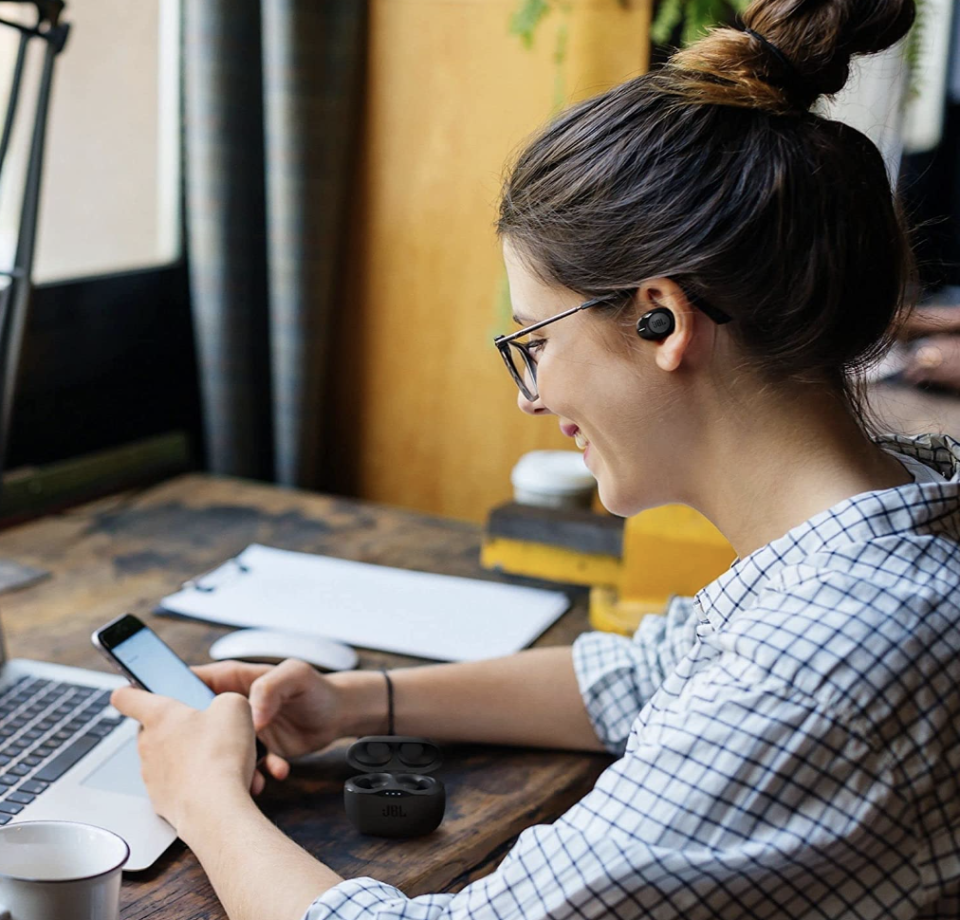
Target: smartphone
142 656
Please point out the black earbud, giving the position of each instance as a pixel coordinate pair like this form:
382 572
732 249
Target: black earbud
657 324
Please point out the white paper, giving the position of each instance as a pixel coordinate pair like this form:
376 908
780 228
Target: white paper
410 613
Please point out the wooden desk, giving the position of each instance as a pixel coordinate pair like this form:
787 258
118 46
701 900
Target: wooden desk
124 553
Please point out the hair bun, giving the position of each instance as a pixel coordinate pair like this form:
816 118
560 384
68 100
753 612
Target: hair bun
816 40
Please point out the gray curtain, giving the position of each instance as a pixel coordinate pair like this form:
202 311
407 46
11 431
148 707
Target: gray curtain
272 101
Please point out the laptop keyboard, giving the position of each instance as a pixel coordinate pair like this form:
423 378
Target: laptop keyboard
46 726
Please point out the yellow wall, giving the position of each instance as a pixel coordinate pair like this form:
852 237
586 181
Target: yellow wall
428 413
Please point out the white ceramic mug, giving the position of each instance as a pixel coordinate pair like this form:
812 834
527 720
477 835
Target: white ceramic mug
60 869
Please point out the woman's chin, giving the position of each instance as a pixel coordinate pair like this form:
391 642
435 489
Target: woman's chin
621 498
613 501
616 499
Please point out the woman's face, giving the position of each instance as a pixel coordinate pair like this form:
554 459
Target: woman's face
605 388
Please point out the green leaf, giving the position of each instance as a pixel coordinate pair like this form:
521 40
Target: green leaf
913 48
697 17
560 49
669 15
700 17
524 21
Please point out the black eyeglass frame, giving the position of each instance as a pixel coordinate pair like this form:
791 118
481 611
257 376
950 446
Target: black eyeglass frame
505 342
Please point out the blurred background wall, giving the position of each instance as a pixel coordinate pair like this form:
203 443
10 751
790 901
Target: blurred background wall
425 413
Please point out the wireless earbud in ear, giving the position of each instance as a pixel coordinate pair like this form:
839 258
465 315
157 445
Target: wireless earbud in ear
657 324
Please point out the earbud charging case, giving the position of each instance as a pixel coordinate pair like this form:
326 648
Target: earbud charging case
393 797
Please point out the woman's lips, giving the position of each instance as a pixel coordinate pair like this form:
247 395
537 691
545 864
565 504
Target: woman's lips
573 431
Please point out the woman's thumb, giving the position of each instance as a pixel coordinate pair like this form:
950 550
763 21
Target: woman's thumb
269 692
265 698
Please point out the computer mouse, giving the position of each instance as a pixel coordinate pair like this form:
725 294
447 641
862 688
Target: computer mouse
271 646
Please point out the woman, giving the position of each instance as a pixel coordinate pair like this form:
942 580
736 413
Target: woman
788 740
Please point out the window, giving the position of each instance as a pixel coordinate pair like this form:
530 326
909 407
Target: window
107 357
110 191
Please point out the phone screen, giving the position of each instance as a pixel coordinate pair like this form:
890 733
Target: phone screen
160 670
146 658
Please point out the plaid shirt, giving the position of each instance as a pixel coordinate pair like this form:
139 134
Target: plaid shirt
789 741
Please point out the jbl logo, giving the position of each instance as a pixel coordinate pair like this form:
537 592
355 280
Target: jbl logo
394 811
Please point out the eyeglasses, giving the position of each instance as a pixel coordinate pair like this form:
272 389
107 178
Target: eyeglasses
520 357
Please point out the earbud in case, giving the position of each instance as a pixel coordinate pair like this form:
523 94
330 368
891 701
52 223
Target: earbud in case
393 797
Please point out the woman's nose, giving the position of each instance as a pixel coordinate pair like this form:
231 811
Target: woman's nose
531 407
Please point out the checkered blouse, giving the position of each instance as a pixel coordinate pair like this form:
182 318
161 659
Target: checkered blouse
789 740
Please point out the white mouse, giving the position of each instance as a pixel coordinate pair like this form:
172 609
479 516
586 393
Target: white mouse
273 645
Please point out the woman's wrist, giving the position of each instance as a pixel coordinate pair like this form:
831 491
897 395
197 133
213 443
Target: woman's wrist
209 816
363 702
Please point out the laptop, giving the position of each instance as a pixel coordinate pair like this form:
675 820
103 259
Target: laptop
66 754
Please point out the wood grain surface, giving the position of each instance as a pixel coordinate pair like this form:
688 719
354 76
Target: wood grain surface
126 552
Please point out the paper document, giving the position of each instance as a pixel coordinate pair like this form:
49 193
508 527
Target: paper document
411 613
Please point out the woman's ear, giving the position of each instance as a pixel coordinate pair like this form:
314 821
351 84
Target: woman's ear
663 292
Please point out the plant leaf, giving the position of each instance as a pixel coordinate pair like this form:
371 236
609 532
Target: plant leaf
697 17
913 49
669 14
696 20
524 21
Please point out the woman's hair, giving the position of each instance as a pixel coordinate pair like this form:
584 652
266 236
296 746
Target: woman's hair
712 171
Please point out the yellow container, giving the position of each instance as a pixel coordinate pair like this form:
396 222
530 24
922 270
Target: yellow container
672 550
666 551
554 563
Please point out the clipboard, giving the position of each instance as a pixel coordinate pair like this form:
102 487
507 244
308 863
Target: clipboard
441 617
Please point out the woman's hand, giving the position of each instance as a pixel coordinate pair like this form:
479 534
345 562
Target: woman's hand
295 709
931 321
935 360
190 756
933 337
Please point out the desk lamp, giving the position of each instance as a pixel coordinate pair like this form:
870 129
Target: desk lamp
14 298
